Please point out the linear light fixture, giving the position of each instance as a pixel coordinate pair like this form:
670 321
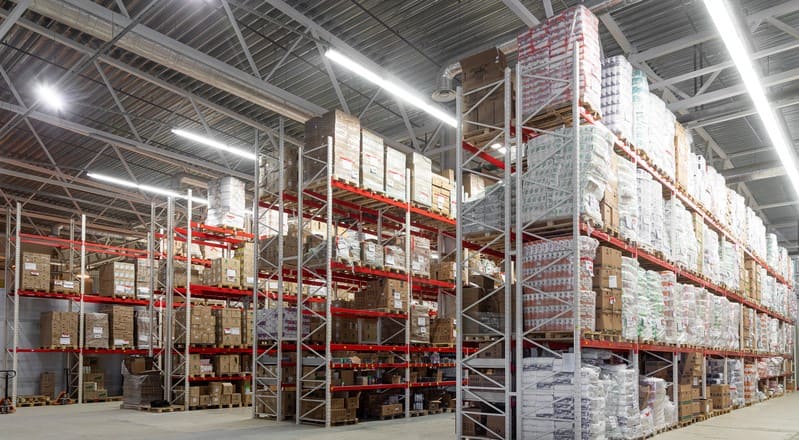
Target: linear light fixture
722 17
50 96
145 188
213 143
399 91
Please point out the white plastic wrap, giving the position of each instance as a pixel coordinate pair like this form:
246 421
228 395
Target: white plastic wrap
628 198
617 99
629 298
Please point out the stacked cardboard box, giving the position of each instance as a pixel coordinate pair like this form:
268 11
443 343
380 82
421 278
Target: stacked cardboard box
35 272
480 70
607 284
720 395
395 174
420 324
225 272
95 330
341 410
442 331
421 168
267 403
442 195
228 327
247 327
71 287
346 133
120 320
203 326
227 364
420 255
47 384
146 324
609 205
118 279
372 254
383 294
59 329
474 186
394 258
373 156
246 259
180 278
94 384
143 274
226 203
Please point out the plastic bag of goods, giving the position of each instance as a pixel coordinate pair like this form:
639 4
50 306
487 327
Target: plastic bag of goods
617 98
628 198
629 298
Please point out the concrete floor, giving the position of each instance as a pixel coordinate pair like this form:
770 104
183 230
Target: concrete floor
774 419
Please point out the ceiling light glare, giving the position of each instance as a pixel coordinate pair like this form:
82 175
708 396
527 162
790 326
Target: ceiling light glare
145 188
200 139
397 90
50 97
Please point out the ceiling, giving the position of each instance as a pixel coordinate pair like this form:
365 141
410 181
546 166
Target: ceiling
134 69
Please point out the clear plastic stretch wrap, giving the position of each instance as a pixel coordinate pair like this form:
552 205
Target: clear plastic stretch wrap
678 223
651 307
629 298
711 262
685 310
660 145
696 176
547 385
617 95
736 204
730 264
226 203
762 332
750 382
628 198
652 392
772 249
703 305
546 190
623 416
755 233
548 269
651 214
641 118
671 306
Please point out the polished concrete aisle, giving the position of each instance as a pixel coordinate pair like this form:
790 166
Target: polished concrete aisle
106 421
773 419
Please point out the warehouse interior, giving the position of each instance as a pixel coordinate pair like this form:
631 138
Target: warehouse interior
358 218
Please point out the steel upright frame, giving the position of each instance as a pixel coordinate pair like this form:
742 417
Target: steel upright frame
493 397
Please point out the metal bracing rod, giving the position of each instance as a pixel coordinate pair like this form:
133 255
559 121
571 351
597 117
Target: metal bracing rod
207 128
300 300
280 256
7 284
459 259
283 58
331 73
82 310
369 104
235 25
408 125
151 279
12 18
169 324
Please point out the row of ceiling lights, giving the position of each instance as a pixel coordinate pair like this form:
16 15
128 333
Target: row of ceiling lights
718 10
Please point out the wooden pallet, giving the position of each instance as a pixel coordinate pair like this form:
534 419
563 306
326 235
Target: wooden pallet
603 336
553 117
59 347
28 401
435 411
718 412
166 409
343 422
104 399
392 416
443 344
418 412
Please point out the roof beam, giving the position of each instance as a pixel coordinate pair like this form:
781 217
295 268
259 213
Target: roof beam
12 18
100 22
235 25
522 12
732 112
748 173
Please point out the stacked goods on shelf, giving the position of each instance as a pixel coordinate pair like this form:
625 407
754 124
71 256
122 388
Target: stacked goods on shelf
384 294
203 326
735 372
267 326
552 155
609 205
720 395
227 364
682 156
442 195
118 279
141 383
246 265
421 168
396 184
372 254
420 324
345 130
120 319
678 224
660 137
228 327
35 272
651 324
629 298
548 297
672 305
225 272
481 314
226 203
607 284
394 258
750 382
627 184
690 386
215 394
442 331
180 278
479 71
143 274
548 384
373 168
247 327
657 410
623 419
346 249
93 381
545 51
651 214
96 332
617 87
146 325
58 329
474 186
710 246
420 255
68 286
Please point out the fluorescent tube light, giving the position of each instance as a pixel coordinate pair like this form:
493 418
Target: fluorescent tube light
50 96
722 17
393 88
145 188
213 143
496 146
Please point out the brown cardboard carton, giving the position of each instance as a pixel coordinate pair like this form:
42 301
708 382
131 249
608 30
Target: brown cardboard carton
118 279
345 131
373 156
483 68
120 324
95 330
35 272
608 321
607 277
47 384
395 174
421 168
59 329
607 256
228 327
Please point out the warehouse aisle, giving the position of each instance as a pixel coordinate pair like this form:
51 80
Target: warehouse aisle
771 420
107 421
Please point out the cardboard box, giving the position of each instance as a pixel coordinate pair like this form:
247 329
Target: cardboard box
96 332
143 274
47 384
71 287
421 168
373 156
345 130
608 299
395 174
483 68
120 324
228 327
606 277
118 279
35 272
474 186
442 331
59 329
225 272
420 324
607 256
608 321
383 294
